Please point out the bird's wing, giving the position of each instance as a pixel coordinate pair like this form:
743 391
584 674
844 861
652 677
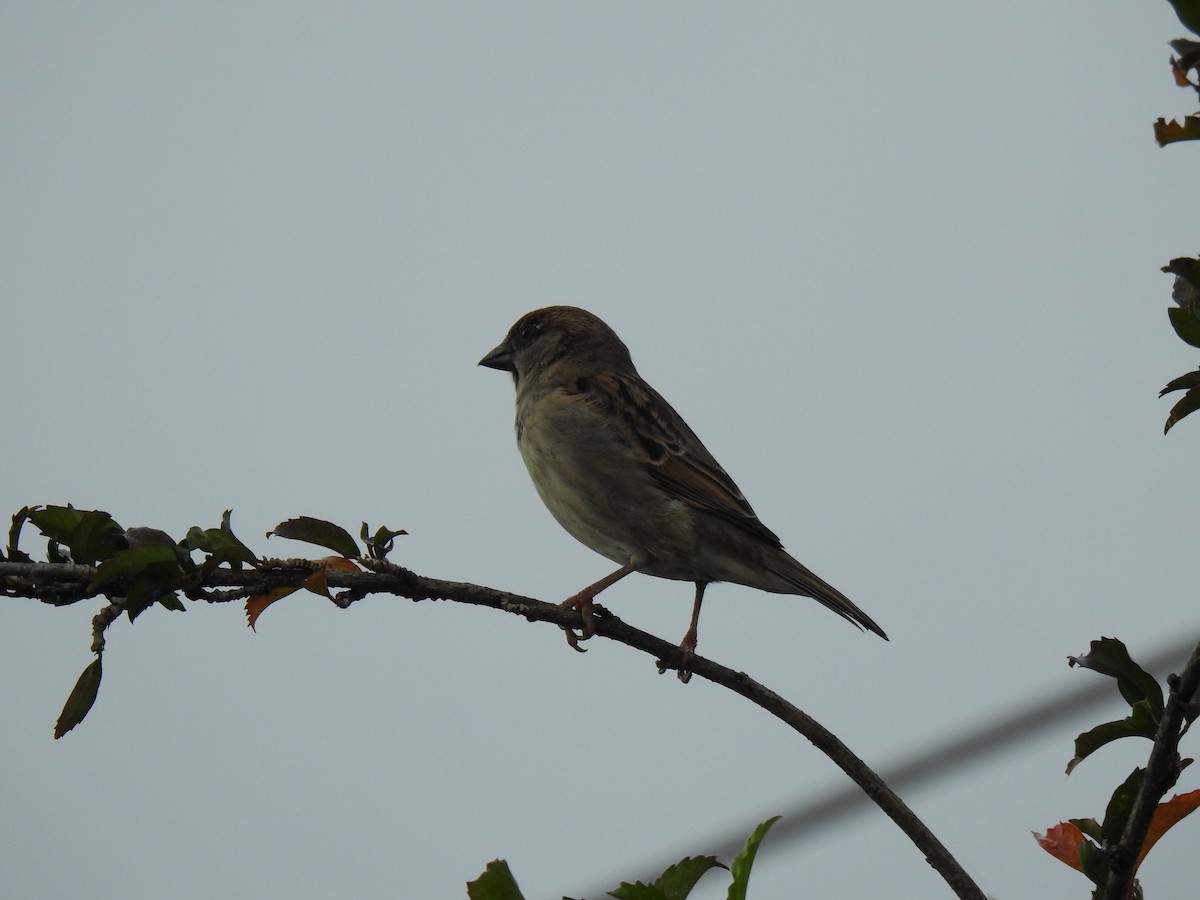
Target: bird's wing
670 450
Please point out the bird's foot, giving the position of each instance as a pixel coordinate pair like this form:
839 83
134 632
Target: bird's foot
688 650
685 670
583 603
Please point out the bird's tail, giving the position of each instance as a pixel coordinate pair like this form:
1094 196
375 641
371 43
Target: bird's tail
810 585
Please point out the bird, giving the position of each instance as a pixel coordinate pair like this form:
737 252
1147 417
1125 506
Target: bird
623 473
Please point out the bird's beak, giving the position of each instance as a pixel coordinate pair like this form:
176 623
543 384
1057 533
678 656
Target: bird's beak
500 358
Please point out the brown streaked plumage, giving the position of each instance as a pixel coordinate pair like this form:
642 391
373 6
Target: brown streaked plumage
624 474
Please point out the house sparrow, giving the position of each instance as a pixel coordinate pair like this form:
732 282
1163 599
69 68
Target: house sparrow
623 473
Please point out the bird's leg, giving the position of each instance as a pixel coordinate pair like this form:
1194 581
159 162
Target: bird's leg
582 601
688 644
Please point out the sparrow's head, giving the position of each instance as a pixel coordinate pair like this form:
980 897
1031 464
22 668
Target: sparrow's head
562 338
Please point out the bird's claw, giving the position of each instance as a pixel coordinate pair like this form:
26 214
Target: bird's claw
573 639
583 603
684 668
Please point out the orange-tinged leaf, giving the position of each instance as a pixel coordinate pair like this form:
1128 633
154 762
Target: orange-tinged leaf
318 581
1180 73
257 603
1166 815
340 563
1062 842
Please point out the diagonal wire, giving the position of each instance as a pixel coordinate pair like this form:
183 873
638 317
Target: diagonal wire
971 748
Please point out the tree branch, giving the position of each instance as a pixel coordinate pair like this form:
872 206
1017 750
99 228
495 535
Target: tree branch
1162 771
56 582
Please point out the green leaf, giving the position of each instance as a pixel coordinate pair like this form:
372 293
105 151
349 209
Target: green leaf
319 532
56 522
1090 827
1108 656
1182 383
155 584
14 535
380 544
232 551
1120 805
1093 861
1188 12
496 883
195 539
637 891
1186 325
745 860
221 545
1185 407
138 560
54 553
90 535
1187 268
1185 290
83 695
1138 724
97 537
172 602
677 881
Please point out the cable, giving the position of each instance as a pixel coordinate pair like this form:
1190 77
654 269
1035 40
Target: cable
973 747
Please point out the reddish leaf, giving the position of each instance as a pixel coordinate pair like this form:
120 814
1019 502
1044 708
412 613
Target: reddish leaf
1166 815
258 602
317 582
1062 842
1180 73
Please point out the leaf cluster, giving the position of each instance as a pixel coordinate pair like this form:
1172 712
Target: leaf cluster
1182 67
139 567
1185 315
1185 319
675 883
1086 844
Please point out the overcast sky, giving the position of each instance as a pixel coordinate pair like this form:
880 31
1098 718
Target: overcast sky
897 264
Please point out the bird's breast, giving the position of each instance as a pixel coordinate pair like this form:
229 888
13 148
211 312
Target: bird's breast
595 485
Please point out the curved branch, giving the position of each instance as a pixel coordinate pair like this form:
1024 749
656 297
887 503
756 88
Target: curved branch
386 578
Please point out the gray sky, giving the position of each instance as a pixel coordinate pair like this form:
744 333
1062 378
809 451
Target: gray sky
897 264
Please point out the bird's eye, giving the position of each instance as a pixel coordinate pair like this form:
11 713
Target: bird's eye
526 333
